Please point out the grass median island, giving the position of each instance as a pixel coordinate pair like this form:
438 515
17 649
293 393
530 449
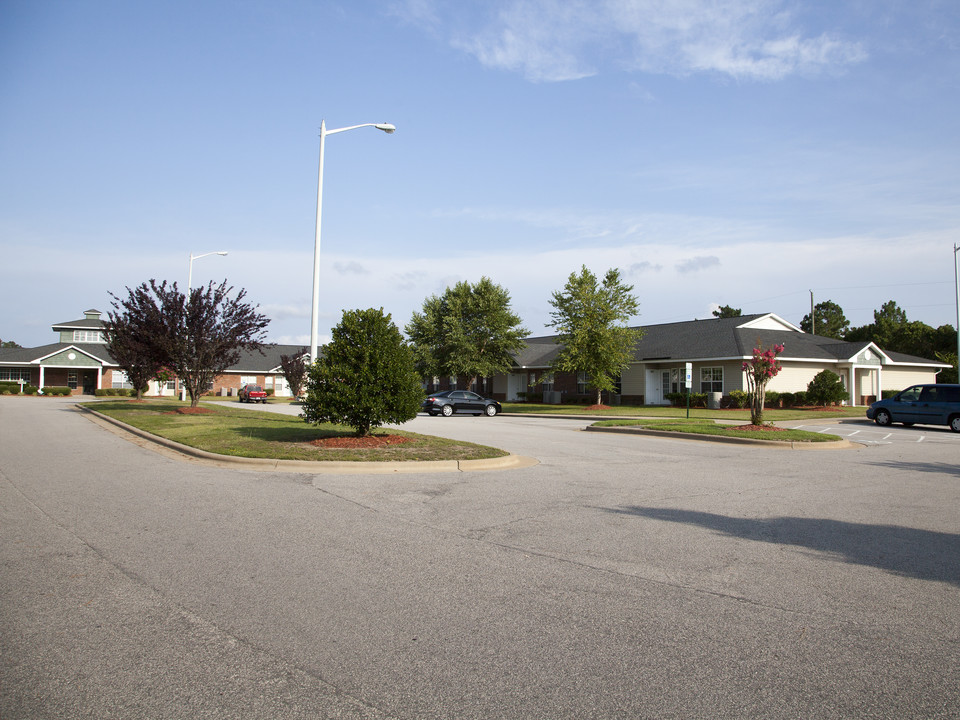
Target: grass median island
666 411
260 434
708 427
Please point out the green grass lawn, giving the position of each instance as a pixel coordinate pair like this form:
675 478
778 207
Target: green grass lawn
260 434
709 427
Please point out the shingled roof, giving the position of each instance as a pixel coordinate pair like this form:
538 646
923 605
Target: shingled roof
721 339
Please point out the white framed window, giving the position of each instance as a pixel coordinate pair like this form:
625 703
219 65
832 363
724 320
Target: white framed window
14 375
582 382
88 336
72 379
118 379
248 380
711 379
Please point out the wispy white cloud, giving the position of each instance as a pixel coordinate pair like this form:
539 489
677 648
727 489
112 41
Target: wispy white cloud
557 40
695 264
351 268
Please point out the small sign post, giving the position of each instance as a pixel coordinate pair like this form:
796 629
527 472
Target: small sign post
688 383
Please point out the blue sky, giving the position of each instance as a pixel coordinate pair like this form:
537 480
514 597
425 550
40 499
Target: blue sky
717 152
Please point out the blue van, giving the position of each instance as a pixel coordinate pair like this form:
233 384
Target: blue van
925 404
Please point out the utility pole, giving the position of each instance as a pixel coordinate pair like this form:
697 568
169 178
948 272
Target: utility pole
813 319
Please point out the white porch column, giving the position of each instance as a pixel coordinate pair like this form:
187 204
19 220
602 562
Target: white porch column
852 385
41 377
99 377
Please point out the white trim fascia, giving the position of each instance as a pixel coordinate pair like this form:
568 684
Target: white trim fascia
39 360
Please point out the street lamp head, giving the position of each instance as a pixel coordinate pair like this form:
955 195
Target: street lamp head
386 127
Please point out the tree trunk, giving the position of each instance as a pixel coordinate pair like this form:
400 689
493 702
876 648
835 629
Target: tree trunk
756 405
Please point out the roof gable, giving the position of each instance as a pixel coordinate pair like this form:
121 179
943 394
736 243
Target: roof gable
768 322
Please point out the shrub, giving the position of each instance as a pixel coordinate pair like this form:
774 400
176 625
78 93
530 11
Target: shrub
679 399
800 398
30 389
787 399
772 400
9 388
535 397
54 390
826 388
269 392
886 394
739 398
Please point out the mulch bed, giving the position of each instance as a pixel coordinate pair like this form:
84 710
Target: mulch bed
190 411
370 441
597 407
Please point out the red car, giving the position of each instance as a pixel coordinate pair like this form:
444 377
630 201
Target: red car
253 393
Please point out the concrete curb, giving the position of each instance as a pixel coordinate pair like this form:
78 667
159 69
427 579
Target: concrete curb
508 462
780 444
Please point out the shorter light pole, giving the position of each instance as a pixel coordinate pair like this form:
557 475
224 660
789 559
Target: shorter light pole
190 271
183 390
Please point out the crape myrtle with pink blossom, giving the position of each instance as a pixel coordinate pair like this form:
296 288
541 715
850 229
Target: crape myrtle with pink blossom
760 369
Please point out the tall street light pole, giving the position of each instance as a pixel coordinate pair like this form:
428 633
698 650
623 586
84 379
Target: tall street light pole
956 281
315 317
190 272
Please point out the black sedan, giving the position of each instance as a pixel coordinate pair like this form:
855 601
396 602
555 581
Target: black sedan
448 402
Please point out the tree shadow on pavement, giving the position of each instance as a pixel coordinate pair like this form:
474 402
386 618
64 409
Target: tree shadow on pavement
921 554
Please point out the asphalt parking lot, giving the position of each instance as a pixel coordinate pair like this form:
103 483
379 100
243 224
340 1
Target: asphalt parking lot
621 577
869 433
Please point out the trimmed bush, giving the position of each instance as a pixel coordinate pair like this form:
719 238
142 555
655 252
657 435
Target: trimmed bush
800 398
739 399
826 388
771 399
30 389
55 390
679 399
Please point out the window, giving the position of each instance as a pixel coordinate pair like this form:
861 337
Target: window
118 379
582 383
14 375
88 336
248 380
711 379
72 379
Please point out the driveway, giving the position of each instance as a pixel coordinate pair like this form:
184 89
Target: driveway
622 577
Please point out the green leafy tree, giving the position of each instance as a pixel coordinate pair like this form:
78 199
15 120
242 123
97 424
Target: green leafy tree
131 336
826 388
829 321
949 375
591 321
9 344
366 376
887 322
725 311
294 368
470 331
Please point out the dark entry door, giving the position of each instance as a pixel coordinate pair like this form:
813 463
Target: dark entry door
90 383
